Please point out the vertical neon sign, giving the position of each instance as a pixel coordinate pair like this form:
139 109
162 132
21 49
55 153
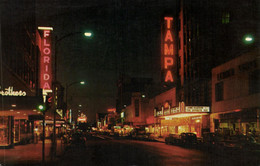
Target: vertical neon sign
168 51
45 59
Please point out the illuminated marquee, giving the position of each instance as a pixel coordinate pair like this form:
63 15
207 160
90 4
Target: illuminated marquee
168 50
182 109
45 60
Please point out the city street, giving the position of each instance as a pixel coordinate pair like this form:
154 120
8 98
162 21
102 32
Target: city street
30 154
106 150
130 83
110 151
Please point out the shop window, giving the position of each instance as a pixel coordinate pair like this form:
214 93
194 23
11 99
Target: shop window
254 82
136 107
16 130
219 91
3 130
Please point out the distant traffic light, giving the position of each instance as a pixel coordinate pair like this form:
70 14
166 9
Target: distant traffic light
41 107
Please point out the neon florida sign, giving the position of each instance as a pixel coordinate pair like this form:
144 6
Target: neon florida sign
10 92
45 59
167 49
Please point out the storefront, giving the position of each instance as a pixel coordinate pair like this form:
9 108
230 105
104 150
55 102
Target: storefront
15 125
236 95
6 128
177 120
241 121
61 128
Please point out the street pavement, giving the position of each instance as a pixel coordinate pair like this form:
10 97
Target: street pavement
29 154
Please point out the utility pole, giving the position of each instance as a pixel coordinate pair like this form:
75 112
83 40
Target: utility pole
43 139
42 108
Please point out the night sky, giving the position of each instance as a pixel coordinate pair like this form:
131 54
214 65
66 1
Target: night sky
126 41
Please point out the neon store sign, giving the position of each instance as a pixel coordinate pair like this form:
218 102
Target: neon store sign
11 92
167 49
45 59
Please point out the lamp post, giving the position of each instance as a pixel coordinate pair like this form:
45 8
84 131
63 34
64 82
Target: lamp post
42 109
57 41
67 87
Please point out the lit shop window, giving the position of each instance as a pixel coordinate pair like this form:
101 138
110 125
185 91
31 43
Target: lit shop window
225 18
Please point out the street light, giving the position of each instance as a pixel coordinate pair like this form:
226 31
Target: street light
88 34
248 39
67 88
42 108
57 41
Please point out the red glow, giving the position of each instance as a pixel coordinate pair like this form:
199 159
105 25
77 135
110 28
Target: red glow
182 107
168 61
168 76
168 20
168 36
111 110
166 105
45 61
168 50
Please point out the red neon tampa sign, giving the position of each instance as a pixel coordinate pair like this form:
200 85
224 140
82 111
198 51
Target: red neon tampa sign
45 60
168 52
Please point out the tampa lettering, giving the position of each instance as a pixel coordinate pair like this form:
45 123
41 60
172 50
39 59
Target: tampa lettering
168 50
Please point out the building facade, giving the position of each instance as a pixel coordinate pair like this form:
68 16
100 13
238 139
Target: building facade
236 95
173 117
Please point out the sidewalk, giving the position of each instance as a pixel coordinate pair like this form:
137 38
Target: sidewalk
30 154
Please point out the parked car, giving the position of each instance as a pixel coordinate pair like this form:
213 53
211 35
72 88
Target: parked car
172 139
241 142
211 141
150 137
188 139
211 138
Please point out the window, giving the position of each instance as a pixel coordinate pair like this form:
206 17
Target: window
219 89
254 82
225 18
136 107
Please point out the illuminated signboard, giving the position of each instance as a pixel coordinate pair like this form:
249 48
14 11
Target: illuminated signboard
111 110
82 119
182 109
45 59
168 52
197 109
122 114
11 92
60 112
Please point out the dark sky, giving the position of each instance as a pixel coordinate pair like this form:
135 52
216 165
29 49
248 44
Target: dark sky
126 40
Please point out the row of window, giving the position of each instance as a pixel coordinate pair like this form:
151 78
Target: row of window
253 84
21 57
